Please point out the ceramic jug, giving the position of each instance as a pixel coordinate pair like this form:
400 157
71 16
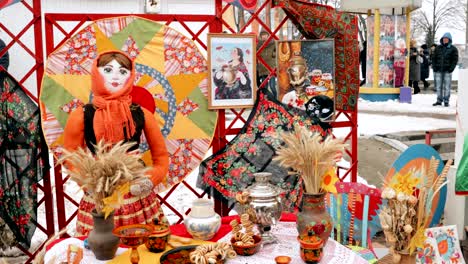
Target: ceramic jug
202 222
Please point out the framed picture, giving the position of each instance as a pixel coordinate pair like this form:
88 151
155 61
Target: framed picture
231 74
306 76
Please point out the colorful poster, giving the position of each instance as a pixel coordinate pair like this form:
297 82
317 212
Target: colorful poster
392 50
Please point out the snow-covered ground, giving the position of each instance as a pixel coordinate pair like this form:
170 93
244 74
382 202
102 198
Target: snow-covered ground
374 118
377 118
421 103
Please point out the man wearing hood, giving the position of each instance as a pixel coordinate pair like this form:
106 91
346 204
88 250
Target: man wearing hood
444 61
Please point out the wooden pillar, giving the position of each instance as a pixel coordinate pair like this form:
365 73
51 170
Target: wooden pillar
375 77
408 39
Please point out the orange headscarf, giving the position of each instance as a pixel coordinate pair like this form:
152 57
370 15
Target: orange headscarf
113 115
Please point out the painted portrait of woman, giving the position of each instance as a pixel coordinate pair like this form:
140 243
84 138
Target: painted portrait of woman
232 74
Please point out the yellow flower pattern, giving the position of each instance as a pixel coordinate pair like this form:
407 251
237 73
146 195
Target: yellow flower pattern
405 183
329 180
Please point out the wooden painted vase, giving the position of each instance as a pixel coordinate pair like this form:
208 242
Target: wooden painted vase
313 217
311 248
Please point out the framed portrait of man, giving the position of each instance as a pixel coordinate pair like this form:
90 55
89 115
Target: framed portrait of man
306 76
231 70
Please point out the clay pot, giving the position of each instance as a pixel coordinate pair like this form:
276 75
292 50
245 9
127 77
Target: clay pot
202 222
247 250
102 242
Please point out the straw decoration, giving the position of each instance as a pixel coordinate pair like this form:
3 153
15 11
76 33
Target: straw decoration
406 216
106 175
308 155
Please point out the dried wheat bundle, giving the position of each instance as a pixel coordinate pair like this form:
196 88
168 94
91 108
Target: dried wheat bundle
308 155
406 216
103 173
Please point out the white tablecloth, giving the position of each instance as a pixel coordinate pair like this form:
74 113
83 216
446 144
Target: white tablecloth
286 232
59 252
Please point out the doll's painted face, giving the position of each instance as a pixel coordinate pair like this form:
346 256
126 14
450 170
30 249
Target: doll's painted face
115 75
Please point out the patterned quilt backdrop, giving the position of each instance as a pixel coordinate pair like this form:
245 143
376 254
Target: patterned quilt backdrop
169 66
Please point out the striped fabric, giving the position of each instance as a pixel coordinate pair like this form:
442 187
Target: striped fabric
111 26
134 210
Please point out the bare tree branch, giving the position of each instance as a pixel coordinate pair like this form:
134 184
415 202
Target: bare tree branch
436 15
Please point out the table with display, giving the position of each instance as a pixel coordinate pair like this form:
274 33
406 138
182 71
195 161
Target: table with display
285 231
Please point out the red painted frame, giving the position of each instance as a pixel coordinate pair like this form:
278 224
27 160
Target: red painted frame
38 68
215 24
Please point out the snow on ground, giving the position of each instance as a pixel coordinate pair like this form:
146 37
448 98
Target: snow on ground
370 124
377 118
421 103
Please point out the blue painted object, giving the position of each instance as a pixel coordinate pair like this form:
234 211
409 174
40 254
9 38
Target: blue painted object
379 97
85 244
417 156
405 94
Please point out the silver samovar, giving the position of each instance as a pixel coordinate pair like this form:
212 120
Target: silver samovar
265 201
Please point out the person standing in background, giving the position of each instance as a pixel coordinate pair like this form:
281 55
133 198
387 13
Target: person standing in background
431 52
5 59
444 61
268 54
363 61
399 61
414 71
4 62
424 53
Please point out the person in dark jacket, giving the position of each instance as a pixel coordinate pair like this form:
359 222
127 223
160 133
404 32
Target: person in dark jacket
424 53
414 71
444 61
5 59
431 52
268 54
363 61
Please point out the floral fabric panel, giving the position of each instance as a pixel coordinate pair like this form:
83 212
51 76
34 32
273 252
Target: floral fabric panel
442 246
23 157
168 65
231 169
317 21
